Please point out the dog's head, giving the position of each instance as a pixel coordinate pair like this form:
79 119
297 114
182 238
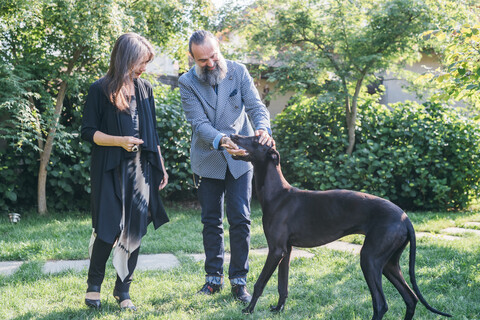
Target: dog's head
255 152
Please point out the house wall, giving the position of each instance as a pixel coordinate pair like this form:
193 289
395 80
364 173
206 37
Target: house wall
277 102
163 65
395 85
167 71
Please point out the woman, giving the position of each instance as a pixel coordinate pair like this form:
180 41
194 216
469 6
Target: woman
127 168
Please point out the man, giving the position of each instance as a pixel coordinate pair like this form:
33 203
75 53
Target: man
219 99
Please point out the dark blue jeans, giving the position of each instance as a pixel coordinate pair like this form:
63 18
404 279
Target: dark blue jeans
237 194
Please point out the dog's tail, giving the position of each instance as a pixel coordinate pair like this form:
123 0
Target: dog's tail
411 267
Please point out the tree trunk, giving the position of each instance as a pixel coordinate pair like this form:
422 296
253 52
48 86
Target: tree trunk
38 128
352 115
348 118
47 151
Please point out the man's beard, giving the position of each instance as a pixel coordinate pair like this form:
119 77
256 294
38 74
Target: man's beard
215 76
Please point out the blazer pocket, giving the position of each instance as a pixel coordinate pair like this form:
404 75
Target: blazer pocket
235 102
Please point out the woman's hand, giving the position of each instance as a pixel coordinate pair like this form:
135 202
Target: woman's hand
164 181
126 142
130 143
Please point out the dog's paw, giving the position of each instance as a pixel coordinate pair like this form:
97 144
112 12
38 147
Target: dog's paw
247 310
277 308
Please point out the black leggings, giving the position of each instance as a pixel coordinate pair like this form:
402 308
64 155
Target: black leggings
96 272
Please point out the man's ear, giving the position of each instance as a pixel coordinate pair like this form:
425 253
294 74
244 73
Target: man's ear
274 155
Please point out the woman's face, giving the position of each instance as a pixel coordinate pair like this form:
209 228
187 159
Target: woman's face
140 67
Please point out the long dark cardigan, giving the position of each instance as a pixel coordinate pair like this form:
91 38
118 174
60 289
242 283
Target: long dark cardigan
100 114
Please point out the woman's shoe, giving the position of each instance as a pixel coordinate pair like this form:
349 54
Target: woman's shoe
93 303
122 296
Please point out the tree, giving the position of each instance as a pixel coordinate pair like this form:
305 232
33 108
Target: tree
459 76
454 37
60 46
344 42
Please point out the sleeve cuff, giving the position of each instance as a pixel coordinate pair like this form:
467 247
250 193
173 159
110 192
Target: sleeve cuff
217 139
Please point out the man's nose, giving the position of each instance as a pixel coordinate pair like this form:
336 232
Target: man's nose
211 63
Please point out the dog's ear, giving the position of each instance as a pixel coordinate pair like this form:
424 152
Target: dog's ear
274 155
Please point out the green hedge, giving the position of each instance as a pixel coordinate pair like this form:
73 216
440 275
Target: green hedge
175 137
419 156
422 157
68 181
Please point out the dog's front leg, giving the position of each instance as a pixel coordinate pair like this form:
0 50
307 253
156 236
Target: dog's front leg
283 269
273 259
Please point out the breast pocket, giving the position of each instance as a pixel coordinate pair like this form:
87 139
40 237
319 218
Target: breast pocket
235 104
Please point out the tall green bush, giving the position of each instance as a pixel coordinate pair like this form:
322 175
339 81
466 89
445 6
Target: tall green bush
68 186
175 136
422 157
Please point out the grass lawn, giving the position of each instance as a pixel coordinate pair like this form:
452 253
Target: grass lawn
328 286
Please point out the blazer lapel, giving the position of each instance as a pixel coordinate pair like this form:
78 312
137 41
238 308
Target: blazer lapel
205 90
224 90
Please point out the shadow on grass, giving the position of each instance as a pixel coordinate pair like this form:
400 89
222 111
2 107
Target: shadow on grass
70 314
328 286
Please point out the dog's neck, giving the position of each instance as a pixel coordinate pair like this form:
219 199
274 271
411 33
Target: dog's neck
269 180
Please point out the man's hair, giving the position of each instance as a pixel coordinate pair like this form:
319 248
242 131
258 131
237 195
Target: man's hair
198 37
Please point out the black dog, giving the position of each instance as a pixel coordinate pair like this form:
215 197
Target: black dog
293 217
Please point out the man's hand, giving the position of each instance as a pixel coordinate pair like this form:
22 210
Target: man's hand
265 138
231 147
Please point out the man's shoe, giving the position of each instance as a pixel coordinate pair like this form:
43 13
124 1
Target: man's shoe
240 293
210 288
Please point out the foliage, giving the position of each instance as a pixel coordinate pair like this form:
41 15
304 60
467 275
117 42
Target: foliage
453 39
459 78
310 43
168 23
422 157
69 168
51 51
175 138
69 182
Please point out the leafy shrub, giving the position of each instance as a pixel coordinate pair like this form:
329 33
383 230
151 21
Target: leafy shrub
68 181
175 137
18 186
17 142
422 157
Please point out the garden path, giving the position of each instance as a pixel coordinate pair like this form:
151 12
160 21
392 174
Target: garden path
164 261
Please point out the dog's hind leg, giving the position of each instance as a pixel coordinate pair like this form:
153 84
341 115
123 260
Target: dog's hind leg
273 259
393 273
283 269
372 263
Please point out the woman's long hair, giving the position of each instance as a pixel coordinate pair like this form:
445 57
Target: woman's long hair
129 50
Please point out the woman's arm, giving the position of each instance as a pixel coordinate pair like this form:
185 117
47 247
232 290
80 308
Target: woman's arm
106 140
164 181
